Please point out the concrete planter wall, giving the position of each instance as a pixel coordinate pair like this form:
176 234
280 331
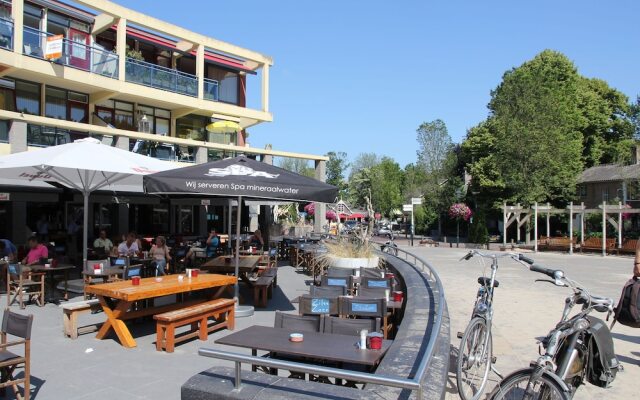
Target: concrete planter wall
354 263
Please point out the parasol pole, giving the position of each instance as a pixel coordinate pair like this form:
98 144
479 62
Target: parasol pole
240 311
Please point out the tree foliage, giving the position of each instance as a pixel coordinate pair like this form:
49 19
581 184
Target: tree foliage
297 165
336 167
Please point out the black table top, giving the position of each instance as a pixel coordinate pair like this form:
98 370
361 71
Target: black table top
319 346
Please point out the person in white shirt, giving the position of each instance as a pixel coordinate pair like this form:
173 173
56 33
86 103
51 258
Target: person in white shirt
129 247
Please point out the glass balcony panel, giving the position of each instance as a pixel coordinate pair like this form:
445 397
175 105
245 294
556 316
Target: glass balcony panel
45 136
74 54
6 34
158 77
211 89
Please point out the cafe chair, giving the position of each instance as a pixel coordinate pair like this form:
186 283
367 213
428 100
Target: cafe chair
351 327
371 273
22 282
88 268
327 291
296 323
339 272
365 308
19 326
132 270
318 305
378 282
372 292
344 281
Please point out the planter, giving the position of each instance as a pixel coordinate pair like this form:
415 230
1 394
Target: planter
354 263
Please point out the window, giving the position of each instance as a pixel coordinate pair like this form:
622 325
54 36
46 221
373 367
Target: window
4 131
7 95
227 81
117 113
605 194
582 190
28 97
66 105
159 119
191 127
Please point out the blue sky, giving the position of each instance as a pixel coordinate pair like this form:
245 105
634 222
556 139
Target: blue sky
360 76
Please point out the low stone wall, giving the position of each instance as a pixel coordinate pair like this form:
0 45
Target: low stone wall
402 358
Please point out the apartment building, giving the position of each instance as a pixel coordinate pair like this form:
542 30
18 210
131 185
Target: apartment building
70 70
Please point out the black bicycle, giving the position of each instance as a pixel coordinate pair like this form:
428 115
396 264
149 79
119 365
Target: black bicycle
579 348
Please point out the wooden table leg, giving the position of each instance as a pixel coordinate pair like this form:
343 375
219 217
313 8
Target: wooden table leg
114 321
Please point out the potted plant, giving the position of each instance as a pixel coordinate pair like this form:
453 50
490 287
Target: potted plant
459 211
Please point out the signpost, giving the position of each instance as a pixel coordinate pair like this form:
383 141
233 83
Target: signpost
409 207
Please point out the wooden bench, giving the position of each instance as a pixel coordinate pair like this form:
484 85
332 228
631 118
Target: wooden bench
629 246
70 313
560 243
197 315
595 244
263 287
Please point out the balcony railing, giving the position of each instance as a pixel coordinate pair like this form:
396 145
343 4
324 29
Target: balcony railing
6 34
74 54
158 77
211 89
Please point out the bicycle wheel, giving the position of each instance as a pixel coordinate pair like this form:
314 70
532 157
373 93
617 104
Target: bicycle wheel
515 385
474 360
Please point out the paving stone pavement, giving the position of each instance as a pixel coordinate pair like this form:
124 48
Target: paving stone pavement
87 368
525 310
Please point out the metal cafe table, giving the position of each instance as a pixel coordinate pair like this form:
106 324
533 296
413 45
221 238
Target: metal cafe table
316 345
51 271
117 299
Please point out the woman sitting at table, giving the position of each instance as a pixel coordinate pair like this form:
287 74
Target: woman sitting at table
256 240
36 253
210 249
160 254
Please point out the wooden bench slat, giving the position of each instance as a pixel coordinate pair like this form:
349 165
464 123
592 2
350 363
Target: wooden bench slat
196 309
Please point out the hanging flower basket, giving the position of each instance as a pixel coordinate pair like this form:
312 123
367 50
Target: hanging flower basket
460 211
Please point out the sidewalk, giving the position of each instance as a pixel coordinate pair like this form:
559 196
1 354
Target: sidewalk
525 310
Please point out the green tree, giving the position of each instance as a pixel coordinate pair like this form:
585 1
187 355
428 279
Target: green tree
434 143
360 178
336 167
297 165
386 186
533 150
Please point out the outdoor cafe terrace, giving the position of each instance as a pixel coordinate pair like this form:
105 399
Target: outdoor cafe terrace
135 367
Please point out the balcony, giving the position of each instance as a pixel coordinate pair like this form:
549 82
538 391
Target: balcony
6 34
211 89
74 54
158 77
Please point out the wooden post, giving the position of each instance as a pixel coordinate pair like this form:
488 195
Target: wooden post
548 226
518 223
504 225
582 224
535 227
571 228
620 225
604 229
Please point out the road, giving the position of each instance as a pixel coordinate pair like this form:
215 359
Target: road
525 310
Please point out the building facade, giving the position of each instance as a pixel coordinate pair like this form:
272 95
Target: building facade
93 68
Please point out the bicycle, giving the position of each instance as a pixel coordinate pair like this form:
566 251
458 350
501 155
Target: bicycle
475 354
390 247
577 348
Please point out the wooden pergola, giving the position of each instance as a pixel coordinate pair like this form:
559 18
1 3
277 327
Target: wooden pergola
521 215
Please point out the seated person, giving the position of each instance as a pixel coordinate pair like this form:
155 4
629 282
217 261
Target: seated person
211 246
129 247
37 251
160 254
103 242
8 249
256 240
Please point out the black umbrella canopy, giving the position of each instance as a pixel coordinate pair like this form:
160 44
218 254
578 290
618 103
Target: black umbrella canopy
240 176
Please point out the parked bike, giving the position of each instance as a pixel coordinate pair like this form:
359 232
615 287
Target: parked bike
579 348
475 354
390 247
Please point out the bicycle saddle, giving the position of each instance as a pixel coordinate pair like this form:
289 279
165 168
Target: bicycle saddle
484 281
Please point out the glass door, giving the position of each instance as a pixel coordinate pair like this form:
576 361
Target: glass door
79 52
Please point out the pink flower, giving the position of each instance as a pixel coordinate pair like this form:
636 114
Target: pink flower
460 211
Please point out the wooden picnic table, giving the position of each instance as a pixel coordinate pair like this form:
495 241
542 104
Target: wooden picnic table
219 265
117 299
316 345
